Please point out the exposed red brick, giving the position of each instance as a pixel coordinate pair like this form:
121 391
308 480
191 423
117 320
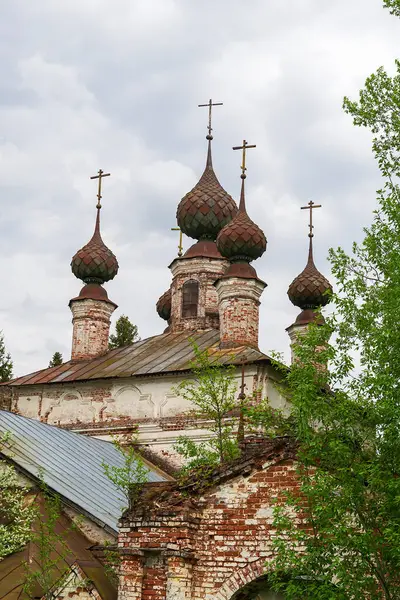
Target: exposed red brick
91 327
210 541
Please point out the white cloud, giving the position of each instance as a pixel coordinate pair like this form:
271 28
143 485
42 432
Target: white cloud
85 85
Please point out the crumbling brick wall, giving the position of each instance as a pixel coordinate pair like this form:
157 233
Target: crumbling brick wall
206 546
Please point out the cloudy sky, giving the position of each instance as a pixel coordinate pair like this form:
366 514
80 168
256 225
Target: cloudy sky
115 85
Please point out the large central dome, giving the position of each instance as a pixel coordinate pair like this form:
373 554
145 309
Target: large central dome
207 208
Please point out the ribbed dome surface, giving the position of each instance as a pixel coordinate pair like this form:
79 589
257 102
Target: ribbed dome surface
242 239
163 305
95 263
207 208
310 289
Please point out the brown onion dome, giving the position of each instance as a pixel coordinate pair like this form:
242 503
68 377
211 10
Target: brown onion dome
207 208
95 263
241 239
163 305
310 289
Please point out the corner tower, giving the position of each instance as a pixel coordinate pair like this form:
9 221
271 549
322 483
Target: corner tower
91 311
310 290
201 215
239 289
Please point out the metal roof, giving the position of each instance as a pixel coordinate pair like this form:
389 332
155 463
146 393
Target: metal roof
70 464
161 354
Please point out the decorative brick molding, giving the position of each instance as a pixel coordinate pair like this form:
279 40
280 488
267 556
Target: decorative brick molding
91 327
240 579
238 305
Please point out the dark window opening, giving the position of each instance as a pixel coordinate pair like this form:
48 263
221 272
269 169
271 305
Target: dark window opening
190 298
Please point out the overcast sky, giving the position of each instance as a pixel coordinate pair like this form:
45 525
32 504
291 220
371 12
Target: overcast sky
89 84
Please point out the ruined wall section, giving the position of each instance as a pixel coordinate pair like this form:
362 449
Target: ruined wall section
210 550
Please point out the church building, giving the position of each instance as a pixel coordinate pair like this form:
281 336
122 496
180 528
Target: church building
197 543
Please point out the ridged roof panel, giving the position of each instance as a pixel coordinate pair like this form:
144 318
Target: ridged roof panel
161 354
70 463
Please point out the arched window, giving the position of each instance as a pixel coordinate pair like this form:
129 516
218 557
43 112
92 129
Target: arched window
190 298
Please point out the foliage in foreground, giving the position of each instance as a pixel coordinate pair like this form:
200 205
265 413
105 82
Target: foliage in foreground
132 475
15 513
347 419
212 392
50 541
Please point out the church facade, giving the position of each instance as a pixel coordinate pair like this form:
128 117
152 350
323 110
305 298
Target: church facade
196 544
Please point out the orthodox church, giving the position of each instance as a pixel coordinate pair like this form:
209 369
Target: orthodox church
188 543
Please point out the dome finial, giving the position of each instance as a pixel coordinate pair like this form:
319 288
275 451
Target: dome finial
243 147
207 208
210 104
209 136
242 240
310 289
99 176
310 206
95 263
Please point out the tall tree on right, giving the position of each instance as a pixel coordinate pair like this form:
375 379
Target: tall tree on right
339 535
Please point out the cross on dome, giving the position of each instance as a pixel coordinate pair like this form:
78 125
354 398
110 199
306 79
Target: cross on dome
310 206
244 147
210 104
99 176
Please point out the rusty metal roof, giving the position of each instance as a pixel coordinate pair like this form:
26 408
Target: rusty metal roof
161 354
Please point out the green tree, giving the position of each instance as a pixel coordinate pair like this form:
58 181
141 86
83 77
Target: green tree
56 360
125 333
50 541
16 513
211 391
132 475
346 518
6 364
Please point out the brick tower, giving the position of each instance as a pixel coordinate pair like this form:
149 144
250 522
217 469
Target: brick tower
91 311
310 291
192 302
239 289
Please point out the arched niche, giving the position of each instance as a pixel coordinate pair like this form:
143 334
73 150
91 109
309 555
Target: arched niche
190 298
259 589
128 401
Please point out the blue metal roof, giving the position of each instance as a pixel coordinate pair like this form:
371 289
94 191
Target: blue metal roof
70 464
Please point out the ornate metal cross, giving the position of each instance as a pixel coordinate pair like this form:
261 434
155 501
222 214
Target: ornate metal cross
210 104
180 246
99 176
244 147
310 206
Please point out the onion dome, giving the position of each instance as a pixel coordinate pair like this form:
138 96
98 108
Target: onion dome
310 289
207 208
163 305
241 240
95 263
